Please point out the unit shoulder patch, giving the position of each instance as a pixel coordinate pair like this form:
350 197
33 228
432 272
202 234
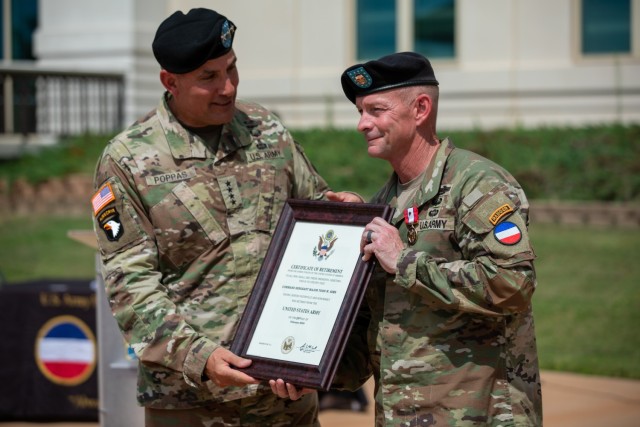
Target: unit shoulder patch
109 221
507 233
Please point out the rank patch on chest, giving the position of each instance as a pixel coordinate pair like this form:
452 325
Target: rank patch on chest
230 192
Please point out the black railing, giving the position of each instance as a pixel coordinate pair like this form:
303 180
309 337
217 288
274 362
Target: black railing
62 103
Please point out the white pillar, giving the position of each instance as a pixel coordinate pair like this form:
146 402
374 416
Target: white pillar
113 36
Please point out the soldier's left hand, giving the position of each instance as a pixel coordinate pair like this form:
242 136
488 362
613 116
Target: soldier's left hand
288 390
382 240
220 369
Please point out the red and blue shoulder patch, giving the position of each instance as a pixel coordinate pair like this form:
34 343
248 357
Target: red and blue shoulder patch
507 233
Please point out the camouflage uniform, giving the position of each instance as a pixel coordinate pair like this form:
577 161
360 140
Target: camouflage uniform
451 336
182 232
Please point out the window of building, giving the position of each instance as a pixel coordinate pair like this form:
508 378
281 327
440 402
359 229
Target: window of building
24 18
606 26
376 34
434 29
381 27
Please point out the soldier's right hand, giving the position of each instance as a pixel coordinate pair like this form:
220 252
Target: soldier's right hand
344 196
219 369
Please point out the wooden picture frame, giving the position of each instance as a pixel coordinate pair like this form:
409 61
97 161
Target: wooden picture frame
310 285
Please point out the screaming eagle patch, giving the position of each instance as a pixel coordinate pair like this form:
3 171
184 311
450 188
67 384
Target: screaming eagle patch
110 223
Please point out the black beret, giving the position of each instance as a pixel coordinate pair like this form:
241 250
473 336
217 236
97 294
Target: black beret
185 42
389 72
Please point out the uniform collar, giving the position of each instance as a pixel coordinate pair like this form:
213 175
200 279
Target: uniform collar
186 145
429 186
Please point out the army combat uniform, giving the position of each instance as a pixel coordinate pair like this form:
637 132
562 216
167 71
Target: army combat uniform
451 334
182 232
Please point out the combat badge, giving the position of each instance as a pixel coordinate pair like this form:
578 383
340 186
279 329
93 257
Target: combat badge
411 219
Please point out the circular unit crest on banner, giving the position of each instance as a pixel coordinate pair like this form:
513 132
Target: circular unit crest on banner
65 350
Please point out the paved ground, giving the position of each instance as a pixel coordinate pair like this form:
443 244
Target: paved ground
569 400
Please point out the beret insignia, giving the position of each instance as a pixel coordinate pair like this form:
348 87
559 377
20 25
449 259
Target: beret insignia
360 77
184 42
389 72
226 35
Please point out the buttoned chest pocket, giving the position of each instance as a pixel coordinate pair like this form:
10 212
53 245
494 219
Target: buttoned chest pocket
184 226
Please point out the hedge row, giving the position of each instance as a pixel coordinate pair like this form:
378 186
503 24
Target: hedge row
592 163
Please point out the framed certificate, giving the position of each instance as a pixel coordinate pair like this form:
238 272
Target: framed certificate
307 294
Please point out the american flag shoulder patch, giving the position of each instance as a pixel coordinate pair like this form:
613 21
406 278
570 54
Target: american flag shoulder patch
102 198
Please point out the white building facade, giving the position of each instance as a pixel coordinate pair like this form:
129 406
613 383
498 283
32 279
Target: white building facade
504 63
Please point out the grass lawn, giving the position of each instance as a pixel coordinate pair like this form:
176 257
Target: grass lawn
38 248
587 305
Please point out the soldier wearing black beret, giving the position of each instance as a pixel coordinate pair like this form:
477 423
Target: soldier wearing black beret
185 42
450 336
389 72
187 199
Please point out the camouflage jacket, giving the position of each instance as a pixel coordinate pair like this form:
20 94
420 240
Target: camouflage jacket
451 335
182 232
